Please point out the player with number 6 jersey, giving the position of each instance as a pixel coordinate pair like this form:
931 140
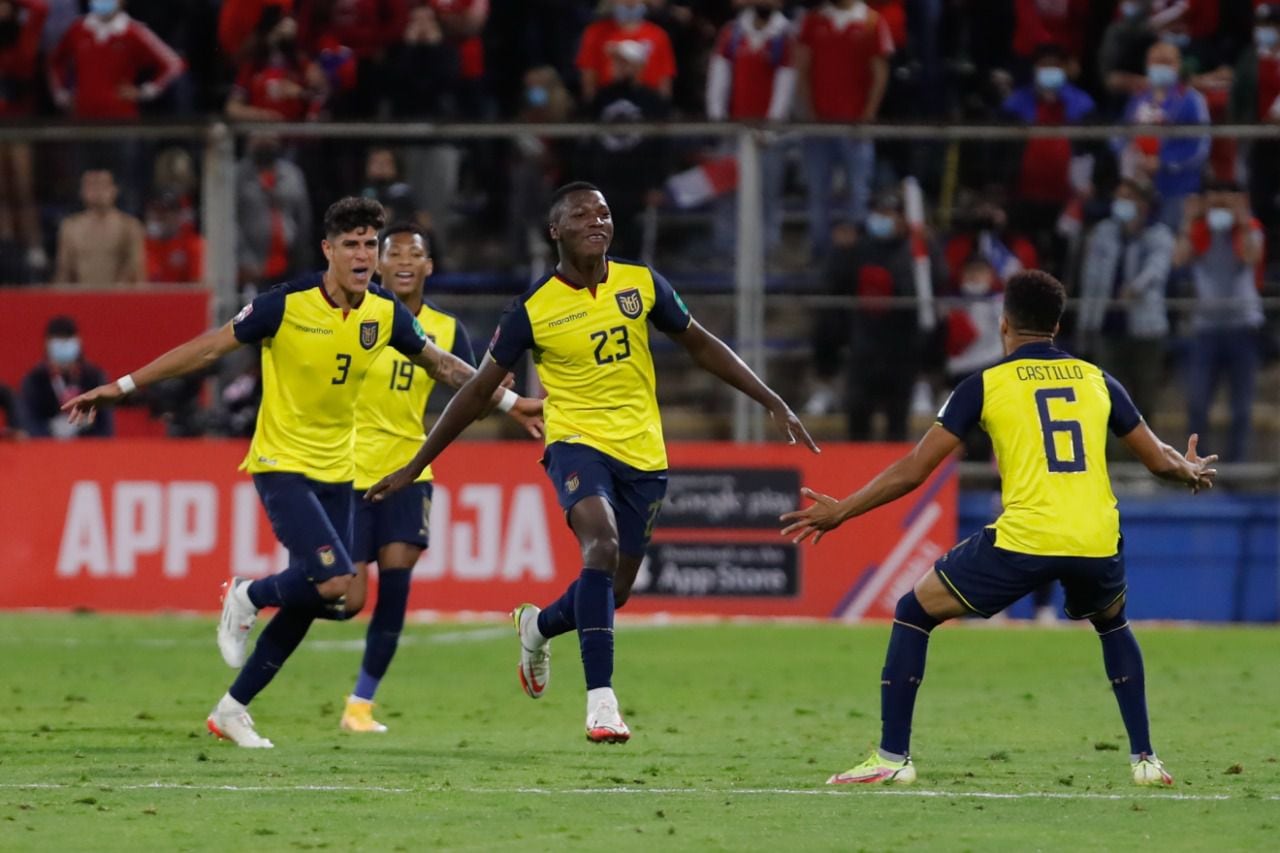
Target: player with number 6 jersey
1048 415
587 327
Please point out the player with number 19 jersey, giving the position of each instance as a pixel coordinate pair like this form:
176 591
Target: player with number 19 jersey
590 347
1048 414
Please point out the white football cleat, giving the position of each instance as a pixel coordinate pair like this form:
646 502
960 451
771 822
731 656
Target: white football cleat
604 722
535 662
1149 770
236 726
238 616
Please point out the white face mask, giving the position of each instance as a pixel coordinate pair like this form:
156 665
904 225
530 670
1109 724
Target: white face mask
976 286
1220 219
63 351
1124 209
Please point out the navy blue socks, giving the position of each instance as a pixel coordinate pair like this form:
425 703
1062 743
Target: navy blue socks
290 588
384 630
557 617
593 615
278 640
903 671
1123 661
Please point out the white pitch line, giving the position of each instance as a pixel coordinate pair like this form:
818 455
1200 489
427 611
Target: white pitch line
785 792
445 638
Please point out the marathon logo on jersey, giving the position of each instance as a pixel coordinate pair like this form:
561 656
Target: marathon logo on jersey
369 334
572 483
629 303
326 556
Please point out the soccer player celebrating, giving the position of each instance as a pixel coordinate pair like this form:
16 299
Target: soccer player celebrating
390 428
586 325
1047 414
321 335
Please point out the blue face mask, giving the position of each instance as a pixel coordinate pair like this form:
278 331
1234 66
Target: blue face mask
880 226
1051 78
1162 76
63 351
537 96
1124 210
104 8
1220 219
1266 37
1130 9
628 14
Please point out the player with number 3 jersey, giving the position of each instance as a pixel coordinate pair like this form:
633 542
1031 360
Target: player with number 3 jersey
587 328
1048 414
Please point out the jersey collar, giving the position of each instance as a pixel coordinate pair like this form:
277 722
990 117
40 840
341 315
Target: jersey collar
1035 349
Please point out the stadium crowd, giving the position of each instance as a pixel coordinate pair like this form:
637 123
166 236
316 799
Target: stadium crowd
1127 223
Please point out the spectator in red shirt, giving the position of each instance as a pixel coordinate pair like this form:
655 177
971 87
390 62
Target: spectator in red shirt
106 52
463 22
627 23
843 59
1041 21
174 249
20 25
752 77
1255 97
277 81
369 28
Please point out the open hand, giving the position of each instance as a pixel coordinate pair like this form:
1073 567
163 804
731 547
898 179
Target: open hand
528 413
814 520
393 482
792 427
83 408
1201 472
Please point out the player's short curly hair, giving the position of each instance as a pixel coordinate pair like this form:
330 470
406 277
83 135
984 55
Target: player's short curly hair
351 213
406 227
1034 302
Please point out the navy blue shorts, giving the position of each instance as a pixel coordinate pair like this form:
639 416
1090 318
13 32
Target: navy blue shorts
988 579
312 520
403 516
578 471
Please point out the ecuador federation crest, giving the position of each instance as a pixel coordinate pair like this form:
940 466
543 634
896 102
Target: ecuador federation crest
629 303
369 334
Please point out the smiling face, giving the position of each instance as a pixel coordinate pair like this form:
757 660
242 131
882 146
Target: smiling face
353 257
582 224
404 264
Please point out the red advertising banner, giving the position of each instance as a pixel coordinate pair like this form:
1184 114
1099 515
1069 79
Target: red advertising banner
149 525
120 330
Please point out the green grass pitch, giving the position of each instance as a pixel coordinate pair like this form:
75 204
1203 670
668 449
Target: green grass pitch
736 727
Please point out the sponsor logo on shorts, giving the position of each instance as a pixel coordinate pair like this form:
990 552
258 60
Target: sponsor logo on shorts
571 483
629 303
369 333
326 555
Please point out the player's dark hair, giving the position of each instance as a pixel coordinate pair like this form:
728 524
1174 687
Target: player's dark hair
405 227
61 326
351 213
558 197
1034 301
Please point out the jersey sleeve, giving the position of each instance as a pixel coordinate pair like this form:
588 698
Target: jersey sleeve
963 409
669 313
462 345
1125 416
513 336
407 334
261 318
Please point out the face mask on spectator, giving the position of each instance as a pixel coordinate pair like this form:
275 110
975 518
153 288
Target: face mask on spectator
628 14
1266 37
104 8
1050 78
1220 219
63 351
537 96
1130 9
978 285
880 226
1124 209
1162 76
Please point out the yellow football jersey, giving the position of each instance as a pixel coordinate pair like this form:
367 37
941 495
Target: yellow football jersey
315 356
590 347
394 397
1047 414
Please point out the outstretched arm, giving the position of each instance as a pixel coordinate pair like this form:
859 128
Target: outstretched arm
714 356
448 368
1166 463
196 354
467 405
903 476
